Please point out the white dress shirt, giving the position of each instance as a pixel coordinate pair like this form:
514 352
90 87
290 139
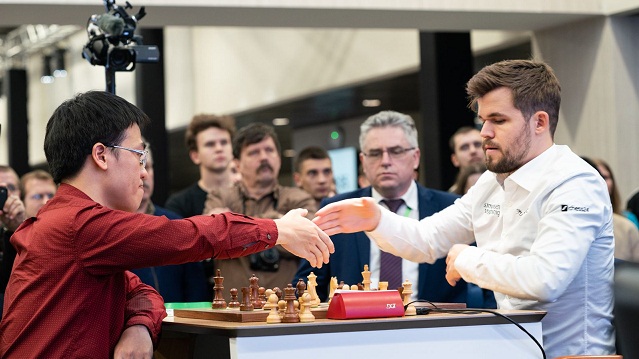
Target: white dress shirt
410 270
544 241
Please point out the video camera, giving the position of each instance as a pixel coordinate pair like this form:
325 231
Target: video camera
112 42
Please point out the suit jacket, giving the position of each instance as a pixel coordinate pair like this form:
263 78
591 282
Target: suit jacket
352 251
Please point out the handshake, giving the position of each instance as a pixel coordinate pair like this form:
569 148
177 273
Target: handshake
310 239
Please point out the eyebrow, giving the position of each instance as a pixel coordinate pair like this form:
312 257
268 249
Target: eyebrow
492 114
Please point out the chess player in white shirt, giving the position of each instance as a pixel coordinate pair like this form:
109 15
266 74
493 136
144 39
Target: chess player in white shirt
541 216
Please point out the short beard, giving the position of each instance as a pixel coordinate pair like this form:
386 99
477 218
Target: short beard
511 161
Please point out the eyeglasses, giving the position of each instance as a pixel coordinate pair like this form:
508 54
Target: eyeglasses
143 153
393 152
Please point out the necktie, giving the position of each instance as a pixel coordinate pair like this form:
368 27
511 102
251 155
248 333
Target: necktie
391 265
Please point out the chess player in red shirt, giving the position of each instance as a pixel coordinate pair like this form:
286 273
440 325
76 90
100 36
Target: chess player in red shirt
70 294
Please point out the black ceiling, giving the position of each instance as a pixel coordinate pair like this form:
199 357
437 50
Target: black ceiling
400 93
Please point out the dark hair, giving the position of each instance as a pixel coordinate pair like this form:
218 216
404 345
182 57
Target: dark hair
81 122
533 84
464 174
202 122
615 198
253 133
310 153
460 131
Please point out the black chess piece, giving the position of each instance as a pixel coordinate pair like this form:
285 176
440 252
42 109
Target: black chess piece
233 303
218 299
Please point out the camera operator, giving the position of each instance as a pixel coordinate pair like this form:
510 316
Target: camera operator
258 194
11 216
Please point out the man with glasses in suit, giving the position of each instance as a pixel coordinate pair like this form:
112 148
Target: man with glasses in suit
389 156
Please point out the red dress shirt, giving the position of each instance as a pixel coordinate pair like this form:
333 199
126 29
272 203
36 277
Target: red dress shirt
70 294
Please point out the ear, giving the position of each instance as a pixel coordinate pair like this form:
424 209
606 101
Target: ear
297 179
98 155
454 160
541 122
195 157
416 155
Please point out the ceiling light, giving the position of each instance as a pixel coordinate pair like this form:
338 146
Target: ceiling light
59 70
280 121
371 102
47 76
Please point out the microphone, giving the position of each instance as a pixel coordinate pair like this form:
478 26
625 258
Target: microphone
110 25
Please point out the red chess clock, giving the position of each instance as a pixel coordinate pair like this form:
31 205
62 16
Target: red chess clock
364 304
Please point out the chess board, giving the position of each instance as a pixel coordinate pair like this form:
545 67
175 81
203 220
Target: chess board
235 315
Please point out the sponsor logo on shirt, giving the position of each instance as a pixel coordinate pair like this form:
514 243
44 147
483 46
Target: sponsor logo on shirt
492 209
569 208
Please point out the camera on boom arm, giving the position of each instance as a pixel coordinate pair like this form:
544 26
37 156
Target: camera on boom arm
112 40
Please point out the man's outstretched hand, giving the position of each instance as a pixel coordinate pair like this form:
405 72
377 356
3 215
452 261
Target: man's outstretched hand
349 216
303 238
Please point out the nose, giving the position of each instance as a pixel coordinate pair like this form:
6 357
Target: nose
487 130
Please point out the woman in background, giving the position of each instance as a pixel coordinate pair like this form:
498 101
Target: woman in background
625 229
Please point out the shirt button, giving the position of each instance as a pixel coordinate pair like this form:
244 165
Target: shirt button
268 235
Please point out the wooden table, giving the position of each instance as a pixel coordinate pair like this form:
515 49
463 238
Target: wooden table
425 336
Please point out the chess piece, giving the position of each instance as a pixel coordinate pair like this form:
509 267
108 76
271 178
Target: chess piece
261 293
333 287
279 293
346 287
305 311
218 298
407 291
301 288
273 315
281 306
234 303
254 292
360 286
383 285
267 294
366 278
290 315
312 289
246 300
354 287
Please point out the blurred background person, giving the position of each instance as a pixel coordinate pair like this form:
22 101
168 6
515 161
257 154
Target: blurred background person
178 282
208 139
465 145
259 194
12 215
314 173
37 188
467 177
625 231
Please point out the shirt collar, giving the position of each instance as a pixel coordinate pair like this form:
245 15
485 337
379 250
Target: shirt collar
527 176
409 197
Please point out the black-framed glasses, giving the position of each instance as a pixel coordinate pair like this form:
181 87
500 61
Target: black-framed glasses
393 152
143 153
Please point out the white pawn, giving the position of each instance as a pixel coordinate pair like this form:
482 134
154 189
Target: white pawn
305 315
268 304
273 315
